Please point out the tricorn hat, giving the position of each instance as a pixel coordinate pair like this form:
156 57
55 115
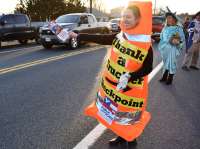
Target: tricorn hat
171 14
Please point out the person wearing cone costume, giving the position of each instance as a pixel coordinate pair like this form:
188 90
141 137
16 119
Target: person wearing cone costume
122 96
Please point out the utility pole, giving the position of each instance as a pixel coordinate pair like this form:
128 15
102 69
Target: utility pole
154 7
90 6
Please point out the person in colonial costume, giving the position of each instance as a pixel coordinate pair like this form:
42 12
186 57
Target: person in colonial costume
172 41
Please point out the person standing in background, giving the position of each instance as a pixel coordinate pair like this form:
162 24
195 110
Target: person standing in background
193 44
185 27
172 40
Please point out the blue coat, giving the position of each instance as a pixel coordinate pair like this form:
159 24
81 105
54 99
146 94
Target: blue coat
170 52
191 34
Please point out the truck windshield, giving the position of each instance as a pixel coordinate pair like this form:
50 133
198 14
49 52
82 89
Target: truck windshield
68 19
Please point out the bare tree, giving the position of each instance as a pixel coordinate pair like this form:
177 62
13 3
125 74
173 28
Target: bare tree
99 5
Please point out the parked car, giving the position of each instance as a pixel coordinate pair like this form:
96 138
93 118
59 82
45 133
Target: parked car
16 27
76 22
157 26
114 25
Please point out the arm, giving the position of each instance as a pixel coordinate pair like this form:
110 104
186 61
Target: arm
182 35
146 67
191 27
164 36
104 39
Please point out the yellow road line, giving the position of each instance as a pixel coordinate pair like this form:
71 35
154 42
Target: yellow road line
18 50
46 60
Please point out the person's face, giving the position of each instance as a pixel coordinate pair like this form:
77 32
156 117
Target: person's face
198 17
129 20
171 20
187 20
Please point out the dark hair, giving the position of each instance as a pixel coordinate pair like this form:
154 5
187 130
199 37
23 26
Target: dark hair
197 14
135 10
172 15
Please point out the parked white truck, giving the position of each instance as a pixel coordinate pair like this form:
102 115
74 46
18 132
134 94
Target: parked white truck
76 22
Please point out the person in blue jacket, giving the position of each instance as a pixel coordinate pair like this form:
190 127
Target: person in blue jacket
172 41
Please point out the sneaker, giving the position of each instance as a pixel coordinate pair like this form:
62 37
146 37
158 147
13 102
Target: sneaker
194 67
170 79
185 68
168 83
162 80
117 140
132 143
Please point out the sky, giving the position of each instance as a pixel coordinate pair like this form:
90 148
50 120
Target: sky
7 6
179 6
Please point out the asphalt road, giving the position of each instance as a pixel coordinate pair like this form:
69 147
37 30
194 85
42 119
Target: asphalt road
41 106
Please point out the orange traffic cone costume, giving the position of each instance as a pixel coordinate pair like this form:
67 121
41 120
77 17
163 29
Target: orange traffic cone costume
124 112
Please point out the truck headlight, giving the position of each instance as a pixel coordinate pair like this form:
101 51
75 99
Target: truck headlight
40 30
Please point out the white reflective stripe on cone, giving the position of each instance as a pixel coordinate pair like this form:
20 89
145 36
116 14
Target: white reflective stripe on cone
138 38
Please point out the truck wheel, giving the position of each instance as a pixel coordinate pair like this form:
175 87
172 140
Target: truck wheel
74 43
47 45
37 40
23 41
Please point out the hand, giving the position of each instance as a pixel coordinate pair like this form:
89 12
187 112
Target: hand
153 40
123 81
196 31
58 30
72 34
176 41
